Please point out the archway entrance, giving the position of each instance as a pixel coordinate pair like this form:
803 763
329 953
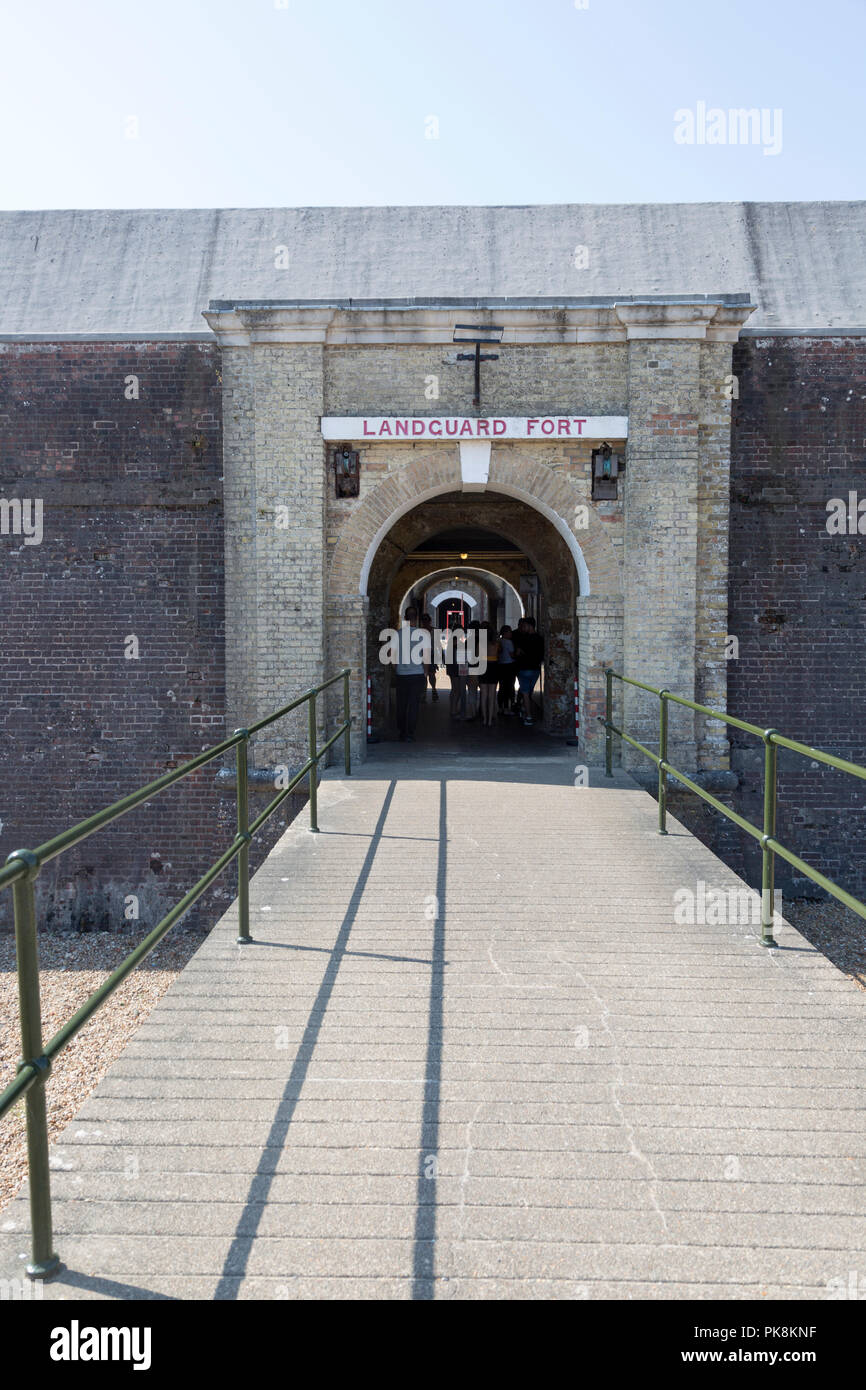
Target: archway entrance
504 556
558 533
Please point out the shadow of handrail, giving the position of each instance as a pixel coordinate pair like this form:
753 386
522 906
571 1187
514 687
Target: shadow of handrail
424 1245
239 1251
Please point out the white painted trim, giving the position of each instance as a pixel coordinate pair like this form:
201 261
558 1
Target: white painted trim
509 491
474 464
451 593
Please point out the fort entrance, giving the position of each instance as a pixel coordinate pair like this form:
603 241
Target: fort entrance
598 472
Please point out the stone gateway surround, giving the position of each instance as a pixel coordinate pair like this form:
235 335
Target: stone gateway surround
173 386
648 576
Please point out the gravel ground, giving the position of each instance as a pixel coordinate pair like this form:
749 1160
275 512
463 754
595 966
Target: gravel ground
72 967
837 932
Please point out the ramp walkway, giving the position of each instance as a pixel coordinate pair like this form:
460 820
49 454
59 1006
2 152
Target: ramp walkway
472 1054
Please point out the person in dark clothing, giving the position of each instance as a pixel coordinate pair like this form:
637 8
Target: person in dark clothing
455 668
489 678
427 624
410 674
507 670
529 658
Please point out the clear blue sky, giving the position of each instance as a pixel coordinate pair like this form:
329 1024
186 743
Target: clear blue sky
245 103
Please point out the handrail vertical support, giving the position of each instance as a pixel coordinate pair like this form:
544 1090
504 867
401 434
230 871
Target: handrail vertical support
314 764
663 757
242 795
608 720
347 720
44 1263
768 858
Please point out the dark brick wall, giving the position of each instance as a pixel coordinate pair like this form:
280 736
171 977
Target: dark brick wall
132 547
797 601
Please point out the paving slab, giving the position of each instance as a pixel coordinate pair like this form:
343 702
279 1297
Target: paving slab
471 1053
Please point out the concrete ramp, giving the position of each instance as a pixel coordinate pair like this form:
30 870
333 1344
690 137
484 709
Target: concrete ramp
472 1054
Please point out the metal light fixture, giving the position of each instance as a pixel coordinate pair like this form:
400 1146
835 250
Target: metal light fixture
605 470
346 471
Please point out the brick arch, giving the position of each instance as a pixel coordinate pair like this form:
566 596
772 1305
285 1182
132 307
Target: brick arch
528 481
556 571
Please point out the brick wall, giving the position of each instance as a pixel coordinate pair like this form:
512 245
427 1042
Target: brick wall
121 443
275 518
797 600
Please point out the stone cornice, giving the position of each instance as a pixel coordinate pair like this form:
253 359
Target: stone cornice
411 322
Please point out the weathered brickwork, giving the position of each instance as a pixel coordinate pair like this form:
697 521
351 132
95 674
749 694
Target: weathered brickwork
797 593
526 380
131 554
275 483
659 621
797 614
711 575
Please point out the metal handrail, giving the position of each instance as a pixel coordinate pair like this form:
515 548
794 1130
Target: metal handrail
766 836
20 872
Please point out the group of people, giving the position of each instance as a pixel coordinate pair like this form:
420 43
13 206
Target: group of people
512 656
480 689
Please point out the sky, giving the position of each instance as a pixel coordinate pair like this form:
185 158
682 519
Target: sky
286 103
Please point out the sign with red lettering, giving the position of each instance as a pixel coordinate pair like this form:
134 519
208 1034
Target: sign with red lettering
389 428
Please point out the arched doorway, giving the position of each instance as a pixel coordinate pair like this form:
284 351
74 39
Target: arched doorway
512 544
487 597
550 534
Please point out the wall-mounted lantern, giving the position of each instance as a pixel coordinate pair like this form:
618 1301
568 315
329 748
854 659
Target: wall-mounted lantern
347 471
606 467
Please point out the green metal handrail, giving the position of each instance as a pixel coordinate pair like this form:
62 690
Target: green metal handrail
766 836
20 872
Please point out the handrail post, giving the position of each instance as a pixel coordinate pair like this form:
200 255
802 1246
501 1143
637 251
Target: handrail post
663 756
314 763
44 1262
347 720
768 858
243 817
608 720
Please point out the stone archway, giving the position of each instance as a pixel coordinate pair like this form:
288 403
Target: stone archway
514 472
596 599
